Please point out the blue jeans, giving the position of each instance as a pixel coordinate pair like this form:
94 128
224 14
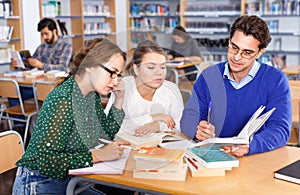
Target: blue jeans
29 182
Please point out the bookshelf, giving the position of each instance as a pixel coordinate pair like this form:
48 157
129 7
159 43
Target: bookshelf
70 13
12 37
209 22
84 19
151 19
283 18
99 19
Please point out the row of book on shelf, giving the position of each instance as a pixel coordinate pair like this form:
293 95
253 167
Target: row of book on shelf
5 8
53 9
152 9
6 33
61 27
207 27
96 10
97 28
152 24
212 10
274 7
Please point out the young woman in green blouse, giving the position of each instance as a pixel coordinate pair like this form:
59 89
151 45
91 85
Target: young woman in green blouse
72 120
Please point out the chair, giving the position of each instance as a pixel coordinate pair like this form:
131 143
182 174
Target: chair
9 88
40 90
186 94
295 96
3 105
200 67
12 149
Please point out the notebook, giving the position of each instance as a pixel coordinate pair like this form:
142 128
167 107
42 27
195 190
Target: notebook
107 167
289 173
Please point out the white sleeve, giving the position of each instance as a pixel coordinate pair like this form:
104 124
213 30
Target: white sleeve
175 108
109 103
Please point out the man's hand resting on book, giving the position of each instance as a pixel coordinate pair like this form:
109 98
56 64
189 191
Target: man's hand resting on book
112 151
205 130
237 150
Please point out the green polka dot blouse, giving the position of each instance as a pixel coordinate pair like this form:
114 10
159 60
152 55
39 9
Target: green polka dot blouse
68 125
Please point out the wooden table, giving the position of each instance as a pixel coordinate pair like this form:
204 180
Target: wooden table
23 81
253 176
292 71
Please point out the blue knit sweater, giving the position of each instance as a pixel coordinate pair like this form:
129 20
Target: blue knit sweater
232 108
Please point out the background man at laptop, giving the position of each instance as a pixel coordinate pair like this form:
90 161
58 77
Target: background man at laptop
53 54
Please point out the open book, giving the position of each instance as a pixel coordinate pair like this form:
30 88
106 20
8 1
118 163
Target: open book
149 140
244 137
17 57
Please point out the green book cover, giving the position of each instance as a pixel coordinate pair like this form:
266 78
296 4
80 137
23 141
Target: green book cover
212 157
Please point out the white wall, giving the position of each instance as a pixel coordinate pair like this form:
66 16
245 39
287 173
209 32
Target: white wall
121 23
31 17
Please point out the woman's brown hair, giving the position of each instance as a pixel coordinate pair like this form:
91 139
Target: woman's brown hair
96 51
142 49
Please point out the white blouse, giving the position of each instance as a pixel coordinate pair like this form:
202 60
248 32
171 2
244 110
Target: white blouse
167 99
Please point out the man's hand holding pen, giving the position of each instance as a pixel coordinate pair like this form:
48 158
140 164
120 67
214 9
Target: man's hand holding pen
205 130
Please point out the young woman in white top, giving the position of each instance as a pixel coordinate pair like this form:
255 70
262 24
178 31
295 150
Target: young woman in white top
151 103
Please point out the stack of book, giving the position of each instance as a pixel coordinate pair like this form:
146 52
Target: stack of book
160 163
34 73
209 160
56 73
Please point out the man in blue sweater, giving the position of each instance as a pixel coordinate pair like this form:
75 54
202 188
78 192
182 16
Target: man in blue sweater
237 88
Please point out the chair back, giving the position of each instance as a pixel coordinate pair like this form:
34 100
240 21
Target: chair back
9 88
202 66
186 94
295 97
11 151
41 90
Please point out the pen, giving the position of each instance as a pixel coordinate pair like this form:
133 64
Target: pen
209 111
108 142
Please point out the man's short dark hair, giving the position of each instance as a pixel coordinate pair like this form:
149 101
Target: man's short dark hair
252 26
47 22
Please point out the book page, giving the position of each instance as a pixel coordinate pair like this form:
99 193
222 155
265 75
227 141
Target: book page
16 56
223 141
245 131
149 140
244 137
255 124
107 167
